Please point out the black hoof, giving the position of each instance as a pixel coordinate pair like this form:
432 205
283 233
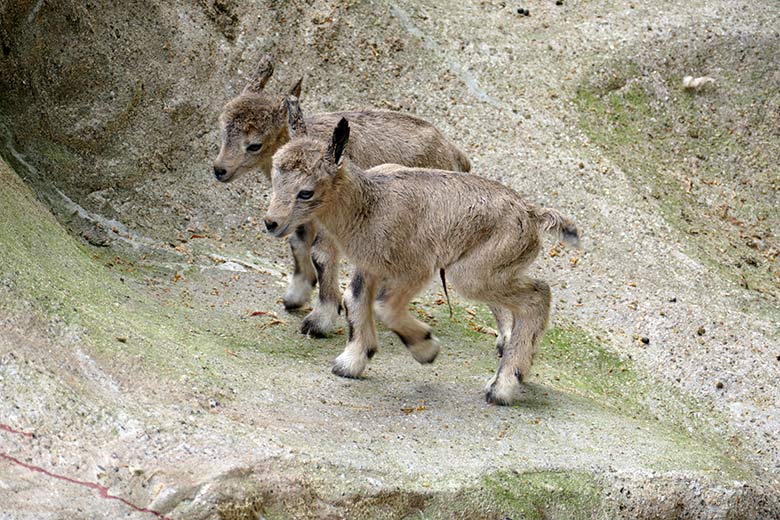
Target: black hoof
311 328
341 372
491 398
291 306
429 361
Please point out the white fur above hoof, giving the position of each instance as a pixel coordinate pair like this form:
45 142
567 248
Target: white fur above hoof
425 352
349 365
298 294
502 392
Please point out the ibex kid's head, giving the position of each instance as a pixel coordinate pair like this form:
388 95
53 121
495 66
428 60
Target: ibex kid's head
303 174
252 126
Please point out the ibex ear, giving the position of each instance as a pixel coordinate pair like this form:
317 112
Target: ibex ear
263 72
338 142
296 90
296 126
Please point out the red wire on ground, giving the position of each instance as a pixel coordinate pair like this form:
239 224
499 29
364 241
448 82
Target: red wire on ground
103 490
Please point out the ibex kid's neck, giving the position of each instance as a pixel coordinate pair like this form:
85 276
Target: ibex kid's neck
351 203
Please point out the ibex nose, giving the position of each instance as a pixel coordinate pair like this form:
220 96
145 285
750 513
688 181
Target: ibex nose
220 173
270 225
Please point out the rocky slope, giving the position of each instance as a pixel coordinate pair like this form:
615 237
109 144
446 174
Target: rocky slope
147 368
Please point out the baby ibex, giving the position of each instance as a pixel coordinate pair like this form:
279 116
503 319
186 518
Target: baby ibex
399 226
254 126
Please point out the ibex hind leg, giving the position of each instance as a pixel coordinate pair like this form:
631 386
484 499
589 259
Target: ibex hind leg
531 313
517 301
504 322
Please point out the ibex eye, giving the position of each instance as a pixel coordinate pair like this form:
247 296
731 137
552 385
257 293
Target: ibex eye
254 147
305 194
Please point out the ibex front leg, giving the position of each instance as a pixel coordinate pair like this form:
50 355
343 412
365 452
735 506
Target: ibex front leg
322 319
392 308
358 307
304 276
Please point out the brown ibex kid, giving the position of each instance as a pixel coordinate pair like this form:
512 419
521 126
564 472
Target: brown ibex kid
399 226
254 126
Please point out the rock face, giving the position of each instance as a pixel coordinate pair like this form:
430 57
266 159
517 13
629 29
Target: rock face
147 367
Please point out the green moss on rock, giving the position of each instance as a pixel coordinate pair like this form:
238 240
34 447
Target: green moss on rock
705 157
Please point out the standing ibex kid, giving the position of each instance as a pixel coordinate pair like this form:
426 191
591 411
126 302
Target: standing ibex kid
399 226
254 126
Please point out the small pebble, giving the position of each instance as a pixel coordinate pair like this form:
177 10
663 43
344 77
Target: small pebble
673 299
558 2
645 340
121 339
701 331
524 12
719 385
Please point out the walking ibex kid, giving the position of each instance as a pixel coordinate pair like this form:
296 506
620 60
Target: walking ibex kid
254 126
399 226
